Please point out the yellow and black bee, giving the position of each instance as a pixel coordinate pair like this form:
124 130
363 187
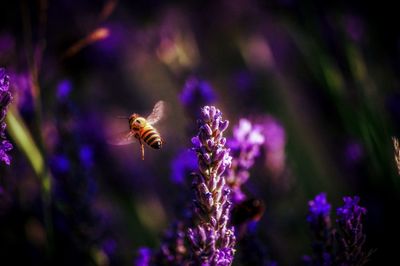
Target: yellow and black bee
142 129
247 211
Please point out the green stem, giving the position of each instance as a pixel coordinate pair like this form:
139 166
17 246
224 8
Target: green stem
23 139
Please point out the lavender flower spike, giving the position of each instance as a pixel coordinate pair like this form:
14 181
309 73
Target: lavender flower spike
5 99
350 236
212 240
322 232
245 145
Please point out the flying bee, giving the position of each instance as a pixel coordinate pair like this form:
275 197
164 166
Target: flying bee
247 211
142 129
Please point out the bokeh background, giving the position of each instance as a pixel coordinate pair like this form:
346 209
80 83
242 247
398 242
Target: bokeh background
322 77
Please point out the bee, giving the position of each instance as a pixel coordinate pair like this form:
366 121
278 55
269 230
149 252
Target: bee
247 211
142 129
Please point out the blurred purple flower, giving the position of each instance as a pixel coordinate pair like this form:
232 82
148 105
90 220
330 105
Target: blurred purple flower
322 232
245 146
173 249
350 236
60 164
63 90
7 44
5 99
353 152
354 27
195 94
212 239
349 239
351 212
109 246
243 81
5 146
182 165
86 156
143 257
318 207
275 141
275 137
25 102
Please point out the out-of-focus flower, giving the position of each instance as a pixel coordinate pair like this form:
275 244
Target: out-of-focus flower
245 147
353 152
212 239
195 94
60 164
275 141
75 186
257 52
182 165
354 27
109 246
322 232
351 213
143 257
349 239
22 83
177 47
350 235
63 90
319 207
86 156
7 45
5 99
173 249
243 81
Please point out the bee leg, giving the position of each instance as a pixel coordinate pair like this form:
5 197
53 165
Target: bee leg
142 148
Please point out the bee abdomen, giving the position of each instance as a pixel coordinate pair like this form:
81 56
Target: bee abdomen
156 144
151 137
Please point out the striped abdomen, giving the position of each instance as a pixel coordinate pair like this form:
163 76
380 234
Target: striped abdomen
149 135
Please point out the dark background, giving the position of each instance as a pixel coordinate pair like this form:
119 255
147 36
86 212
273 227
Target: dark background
326 71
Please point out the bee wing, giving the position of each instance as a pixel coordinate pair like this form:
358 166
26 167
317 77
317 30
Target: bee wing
157 113
122 139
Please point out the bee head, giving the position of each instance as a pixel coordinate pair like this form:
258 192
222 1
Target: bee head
132 118
137 122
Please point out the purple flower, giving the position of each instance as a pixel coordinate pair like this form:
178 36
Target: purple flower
351 211
195 94
275 141
353 152
173 249
109 246
5 146
63 90
143 257
350 235
5 99
211 238
25 101
60 164
318 207
348 240
354 27
322 232
245 145
86 156
182 165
